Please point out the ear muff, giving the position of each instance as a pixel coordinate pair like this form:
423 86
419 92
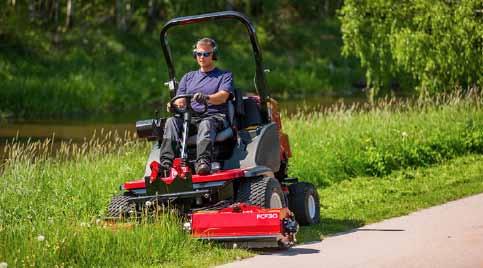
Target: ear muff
213 44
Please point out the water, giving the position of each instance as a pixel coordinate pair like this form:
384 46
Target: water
77 131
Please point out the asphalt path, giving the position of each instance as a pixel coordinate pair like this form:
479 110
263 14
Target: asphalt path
449 235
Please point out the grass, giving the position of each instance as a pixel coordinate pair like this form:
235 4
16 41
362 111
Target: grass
345 142
49 206
363 200
92 71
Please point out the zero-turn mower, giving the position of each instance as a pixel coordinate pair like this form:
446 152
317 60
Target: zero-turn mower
247 199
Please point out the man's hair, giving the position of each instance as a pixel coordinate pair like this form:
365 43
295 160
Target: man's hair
206 41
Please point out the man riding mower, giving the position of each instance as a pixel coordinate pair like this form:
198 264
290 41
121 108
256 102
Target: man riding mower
209 86
229 181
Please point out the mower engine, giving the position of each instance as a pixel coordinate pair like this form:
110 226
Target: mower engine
243 225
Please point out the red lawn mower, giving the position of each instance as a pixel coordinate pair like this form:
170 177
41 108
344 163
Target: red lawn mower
247 198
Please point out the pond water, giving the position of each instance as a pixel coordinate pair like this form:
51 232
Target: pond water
78 130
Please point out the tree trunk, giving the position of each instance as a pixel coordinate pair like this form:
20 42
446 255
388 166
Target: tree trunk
153 15
69 15
31 8
56 12
120 16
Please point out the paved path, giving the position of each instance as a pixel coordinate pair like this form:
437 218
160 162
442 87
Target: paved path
450 235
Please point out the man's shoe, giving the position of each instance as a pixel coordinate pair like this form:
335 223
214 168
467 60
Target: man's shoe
203 168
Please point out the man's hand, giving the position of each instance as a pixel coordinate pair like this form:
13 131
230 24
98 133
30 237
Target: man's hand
201 98
180 103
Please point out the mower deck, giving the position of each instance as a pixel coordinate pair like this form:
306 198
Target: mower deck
246 225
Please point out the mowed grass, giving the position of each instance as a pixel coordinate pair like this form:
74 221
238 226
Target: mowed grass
365 167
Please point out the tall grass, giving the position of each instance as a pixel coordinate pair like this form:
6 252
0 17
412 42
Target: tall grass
50 205
374 140
50 210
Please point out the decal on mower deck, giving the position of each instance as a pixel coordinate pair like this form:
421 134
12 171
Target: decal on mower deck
267 216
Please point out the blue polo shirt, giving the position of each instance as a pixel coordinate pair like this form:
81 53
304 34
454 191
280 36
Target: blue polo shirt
207 83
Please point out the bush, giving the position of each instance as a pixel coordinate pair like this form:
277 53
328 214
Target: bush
436 44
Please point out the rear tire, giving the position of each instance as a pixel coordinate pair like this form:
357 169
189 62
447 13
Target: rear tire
264 192
304 202
120 207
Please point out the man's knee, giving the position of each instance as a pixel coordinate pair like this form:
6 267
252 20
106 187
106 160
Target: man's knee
206 130
171 128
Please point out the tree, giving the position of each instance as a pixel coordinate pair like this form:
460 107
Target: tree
436 44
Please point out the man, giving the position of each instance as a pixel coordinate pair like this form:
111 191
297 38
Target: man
208 84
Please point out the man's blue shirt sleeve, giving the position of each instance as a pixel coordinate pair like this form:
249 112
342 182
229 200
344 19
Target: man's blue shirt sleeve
182 85
227 83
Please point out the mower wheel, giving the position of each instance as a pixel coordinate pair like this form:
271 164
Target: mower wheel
303 201
120 207
265 192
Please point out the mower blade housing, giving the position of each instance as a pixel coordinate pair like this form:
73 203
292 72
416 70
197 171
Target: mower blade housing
246 226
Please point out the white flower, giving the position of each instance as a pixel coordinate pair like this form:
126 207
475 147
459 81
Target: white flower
148 203
40 238
404 134
98 221
3 265
83 224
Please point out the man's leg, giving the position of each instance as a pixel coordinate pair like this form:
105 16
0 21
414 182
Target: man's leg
207 129
169 144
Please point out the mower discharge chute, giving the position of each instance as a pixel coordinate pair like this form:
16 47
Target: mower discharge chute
248 198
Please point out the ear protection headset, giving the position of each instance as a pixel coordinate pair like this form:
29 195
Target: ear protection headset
213 44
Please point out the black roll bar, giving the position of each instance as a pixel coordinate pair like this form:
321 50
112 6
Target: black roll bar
260 80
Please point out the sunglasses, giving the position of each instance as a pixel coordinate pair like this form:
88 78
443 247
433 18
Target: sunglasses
204 54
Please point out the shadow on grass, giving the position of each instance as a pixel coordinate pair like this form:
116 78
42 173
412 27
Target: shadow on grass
327 227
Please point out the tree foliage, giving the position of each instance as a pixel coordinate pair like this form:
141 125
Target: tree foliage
433 45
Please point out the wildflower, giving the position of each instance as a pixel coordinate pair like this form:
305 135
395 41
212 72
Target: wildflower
98 221
404 134
83 224
148 203
40 238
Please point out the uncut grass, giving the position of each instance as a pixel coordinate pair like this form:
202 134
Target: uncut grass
347 151
375 140
62 199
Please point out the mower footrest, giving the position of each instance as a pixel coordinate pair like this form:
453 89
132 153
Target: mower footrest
169 196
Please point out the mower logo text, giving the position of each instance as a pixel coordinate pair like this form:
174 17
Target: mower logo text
267 216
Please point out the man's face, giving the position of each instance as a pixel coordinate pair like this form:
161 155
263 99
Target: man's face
202 60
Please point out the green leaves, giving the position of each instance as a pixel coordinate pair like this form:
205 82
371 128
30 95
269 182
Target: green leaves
437 44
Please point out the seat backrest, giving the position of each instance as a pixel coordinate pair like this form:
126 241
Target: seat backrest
252 116
231 113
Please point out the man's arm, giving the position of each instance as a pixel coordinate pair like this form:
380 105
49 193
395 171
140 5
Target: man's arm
225 91
219 97
181 103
